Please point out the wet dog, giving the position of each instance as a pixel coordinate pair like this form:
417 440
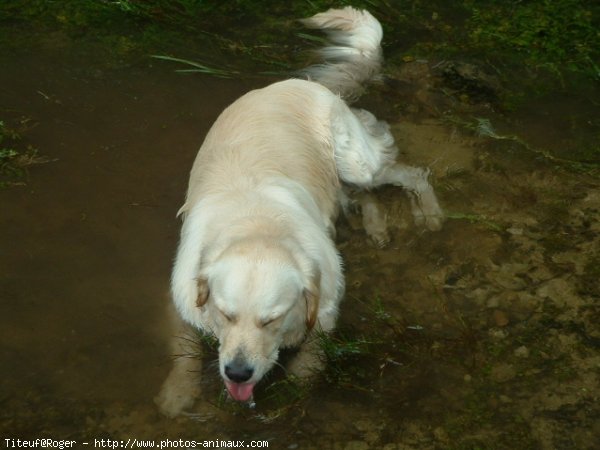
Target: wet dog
257 266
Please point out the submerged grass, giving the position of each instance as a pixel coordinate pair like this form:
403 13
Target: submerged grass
199 67
483 127
476 219
15 157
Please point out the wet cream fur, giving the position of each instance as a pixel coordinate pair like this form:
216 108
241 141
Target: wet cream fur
258 224
256 265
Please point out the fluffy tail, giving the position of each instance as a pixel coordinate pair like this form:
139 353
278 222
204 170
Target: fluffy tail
356 56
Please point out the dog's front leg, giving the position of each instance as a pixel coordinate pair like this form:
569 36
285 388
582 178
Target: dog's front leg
182 386
309 360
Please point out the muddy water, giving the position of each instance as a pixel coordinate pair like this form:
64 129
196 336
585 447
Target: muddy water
87 244
483 335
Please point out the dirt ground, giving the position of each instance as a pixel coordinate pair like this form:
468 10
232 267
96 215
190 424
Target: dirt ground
484 335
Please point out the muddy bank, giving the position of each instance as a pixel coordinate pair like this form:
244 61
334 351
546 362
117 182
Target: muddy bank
506 296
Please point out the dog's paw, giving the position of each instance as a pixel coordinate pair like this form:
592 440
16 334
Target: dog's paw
178 393
306 364
434 222
172 401
374 221
426 210
380 239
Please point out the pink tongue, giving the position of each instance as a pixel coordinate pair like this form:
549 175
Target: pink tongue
240 391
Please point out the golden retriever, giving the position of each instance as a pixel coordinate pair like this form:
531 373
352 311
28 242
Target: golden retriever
257 266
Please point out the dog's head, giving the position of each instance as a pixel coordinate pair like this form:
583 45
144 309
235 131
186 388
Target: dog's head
258 300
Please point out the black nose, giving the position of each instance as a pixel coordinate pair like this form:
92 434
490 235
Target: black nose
238 371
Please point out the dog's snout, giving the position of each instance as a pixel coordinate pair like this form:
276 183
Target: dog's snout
238 371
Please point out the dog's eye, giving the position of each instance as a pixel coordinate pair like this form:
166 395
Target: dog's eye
269 321
229 317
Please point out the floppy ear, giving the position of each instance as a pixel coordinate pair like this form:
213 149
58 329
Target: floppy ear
203 292
311 296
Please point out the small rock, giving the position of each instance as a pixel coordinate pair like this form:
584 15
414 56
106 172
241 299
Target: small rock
356 445
493 302
369 430
500 318
371 437
440 434
508 276
505 399
470 78
479 295
503 372
521 352
527 302
515 231
495 333
530 221
559 290
467 378
364 425
435 347
567 341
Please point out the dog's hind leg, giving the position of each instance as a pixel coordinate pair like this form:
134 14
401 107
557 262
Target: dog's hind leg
373 219
424 205
366 154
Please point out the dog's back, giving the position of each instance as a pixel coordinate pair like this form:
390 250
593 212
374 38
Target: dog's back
283 130
280 131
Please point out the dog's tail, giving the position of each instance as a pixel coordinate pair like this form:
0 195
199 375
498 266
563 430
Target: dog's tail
355 57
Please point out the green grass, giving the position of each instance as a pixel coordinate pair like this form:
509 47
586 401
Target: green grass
557 36
560 35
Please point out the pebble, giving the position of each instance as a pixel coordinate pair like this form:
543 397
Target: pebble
440 434
356 445
497 334
503 372
521 352
507 276
558 290
467 378
479 295
515 231
369 430
500 318
492 302
364 425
